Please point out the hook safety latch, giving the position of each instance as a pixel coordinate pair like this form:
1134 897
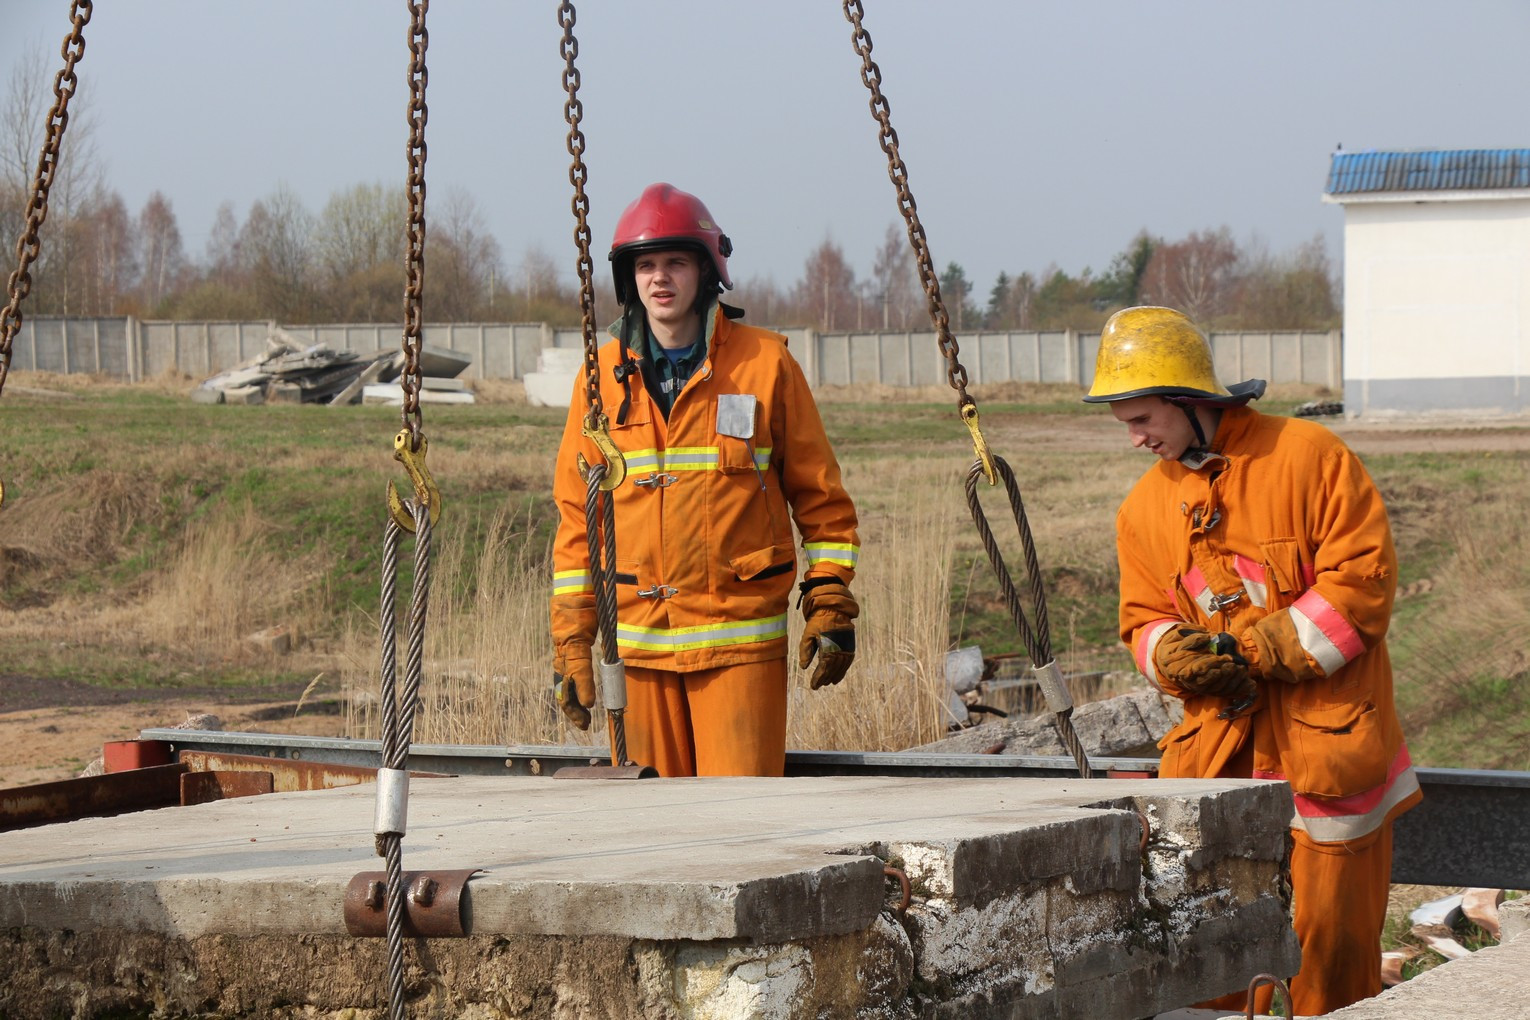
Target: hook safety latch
425 492
979 444
616 464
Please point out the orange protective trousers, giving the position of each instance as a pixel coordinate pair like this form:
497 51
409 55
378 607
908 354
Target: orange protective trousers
1339 905
726 721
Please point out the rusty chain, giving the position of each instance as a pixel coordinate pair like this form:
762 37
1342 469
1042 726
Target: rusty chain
871 77
27 245
573 112
414 254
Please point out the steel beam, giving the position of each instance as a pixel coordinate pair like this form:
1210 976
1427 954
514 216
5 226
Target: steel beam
1472 829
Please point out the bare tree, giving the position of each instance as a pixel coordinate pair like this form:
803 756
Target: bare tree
826 292
1199 275
159 250
461 258
276 243
894 281
23 119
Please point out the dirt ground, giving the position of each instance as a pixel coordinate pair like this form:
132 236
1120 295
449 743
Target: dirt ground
51 729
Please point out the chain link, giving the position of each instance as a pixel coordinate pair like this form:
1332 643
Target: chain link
414 254
27 245
573 112
871 76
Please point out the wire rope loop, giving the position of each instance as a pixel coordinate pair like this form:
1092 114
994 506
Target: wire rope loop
28 244
573 113
1037 634
416 113
897 172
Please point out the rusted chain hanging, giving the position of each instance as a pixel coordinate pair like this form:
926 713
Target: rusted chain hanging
573 113
601 479
28 245
414 252
993 468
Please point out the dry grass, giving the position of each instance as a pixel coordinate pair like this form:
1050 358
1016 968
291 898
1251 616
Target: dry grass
488 669
488 654
220 586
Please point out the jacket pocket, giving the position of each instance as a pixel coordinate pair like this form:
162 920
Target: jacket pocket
1181 756
759 564
1284 578
1337 750
735 423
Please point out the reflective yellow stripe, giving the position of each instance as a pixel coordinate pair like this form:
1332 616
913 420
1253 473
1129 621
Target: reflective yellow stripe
685 458
842 553
567 582
712 635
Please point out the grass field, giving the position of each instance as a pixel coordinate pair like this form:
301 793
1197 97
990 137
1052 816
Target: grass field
145 538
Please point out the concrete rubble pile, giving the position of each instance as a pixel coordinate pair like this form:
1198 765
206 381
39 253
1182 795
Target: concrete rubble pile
291 372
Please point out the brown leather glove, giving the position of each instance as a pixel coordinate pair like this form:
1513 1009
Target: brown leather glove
1203 663
829 634
574 683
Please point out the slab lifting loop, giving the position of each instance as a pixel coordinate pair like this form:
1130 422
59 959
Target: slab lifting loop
1269 979
27 245
992 468
417 515
601 479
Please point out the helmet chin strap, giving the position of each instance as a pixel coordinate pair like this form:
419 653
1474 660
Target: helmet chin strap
1195 423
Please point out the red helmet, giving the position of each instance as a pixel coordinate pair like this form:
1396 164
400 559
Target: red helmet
661 219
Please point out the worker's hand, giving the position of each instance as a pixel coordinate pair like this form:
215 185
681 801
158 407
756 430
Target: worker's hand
574 683
1203 663
829 633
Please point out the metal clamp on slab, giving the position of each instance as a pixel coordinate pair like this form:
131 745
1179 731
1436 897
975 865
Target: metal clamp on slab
434 904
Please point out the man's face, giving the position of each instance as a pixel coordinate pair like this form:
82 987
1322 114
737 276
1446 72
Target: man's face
667 282
1156 425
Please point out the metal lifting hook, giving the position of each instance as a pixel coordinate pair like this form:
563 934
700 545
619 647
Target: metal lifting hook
616 464
969 414
425 492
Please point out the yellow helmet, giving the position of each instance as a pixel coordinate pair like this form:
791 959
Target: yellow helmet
1152 351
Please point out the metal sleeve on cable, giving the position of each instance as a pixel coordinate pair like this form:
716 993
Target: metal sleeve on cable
613 685
392 803
1053 687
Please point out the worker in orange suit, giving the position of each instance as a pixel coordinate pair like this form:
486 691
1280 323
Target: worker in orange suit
1257 578
724 451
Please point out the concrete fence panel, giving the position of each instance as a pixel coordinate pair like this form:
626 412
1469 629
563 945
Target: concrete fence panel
128 348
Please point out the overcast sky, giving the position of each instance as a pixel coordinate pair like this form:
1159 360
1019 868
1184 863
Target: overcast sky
1036 133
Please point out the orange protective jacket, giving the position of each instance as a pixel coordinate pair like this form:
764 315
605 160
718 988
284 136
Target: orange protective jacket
1279 537
705 560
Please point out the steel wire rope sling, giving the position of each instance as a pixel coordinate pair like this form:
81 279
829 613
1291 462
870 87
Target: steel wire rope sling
1037 636
417 515
28 246
600 479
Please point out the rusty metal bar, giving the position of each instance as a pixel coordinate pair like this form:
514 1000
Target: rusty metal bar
288 775
91 796
205 787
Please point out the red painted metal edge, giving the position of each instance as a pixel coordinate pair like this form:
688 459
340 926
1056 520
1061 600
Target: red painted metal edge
125 755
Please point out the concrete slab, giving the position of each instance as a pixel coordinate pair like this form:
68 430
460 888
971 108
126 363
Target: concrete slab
1487 985
691 897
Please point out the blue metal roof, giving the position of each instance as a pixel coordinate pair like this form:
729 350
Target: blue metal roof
1434 170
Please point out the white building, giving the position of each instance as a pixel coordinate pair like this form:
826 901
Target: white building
1436 280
